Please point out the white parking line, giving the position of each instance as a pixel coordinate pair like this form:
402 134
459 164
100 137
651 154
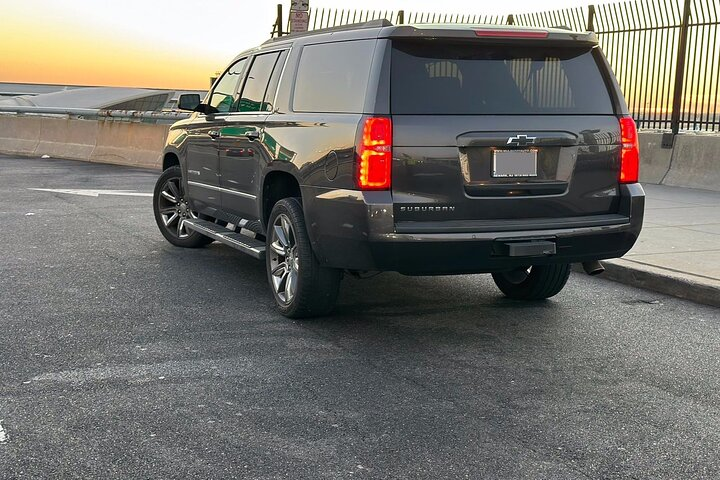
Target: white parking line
93 193
3 435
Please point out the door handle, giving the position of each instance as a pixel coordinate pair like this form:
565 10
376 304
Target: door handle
214 134
253 135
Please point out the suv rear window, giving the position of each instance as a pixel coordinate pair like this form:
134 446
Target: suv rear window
443 78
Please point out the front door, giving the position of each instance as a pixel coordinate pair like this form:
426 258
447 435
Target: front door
202 166
203 173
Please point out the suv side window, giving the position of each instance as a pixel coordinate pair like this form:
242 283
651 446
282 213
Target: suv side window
333 77
267 105
223 95
253 92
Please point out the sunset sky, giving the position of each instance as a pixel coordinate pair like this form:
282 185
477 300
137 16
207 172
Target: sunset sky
164 43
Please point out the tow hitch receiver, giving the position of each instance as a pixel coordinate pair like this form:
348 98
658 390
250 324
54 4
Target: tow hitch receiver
529 248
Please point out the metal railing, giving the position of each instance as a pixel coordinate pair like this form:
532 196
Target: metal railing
93 113
329 17
665 53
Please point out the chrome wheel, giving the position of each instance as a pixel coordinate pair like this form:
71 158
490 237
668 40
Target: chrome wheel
174 208
301 286
284 264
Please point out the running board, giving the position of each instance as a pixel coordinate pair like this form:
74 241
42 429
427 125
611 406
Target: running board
253 247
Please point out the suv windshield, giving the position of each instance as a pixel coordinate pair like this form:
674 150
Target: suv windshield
442 78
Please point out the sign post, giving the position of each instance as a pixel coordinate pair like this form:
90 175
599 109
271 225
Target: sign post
299 15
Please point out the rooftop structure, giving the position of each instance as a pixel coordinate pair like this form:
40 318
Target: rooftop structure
105 98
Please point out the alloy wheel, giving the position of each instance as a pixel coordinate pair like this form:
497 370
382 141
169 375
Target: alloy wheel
174 208
284 264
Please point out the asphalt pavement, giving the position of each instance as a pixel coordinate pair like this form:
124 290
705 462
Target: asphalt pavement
122 356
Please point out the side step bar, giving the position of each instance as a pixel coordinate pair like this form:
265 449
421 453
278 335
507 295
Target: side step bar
254 248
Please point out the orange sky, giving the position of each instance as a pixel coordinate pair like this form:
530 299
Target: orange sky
175 44
128 43
56 54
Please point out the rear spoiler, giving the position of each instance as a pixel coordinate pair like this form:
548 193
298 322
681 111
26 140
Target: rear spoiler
489 33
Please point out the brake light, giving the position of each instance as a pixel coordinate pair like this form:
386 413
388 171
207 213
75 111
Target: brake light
512 33
374 154
630 153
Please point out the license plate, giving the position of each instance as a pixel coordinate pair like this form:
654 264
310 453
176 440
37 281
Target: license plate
514 163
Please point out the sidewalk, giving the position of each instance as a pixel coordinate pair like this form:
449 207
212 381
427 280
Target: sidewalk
678 252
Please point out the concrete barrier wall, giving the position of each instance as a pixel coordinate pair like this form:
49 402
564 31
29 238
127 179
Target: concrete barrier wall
135 144
63 138
122 143
694 160
19 135
654 160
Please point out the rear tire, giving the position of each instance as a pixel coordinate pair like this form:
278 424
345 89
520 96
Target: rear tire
301 287
534 283
171 208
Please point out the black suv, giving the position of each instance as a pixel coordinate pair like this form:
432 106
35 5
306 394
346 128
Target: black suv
422 149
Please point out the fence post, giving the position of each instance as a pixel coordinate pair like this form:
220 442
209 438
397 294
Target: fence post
277 27
680 70
401 17
511 19
591 18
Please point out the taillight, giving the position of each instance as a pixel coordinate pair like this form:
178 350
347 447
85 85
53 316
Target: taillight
374 153
511 33
630 154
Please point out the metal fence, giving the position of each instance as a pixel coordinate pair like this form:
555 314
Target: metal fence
328 17
665 53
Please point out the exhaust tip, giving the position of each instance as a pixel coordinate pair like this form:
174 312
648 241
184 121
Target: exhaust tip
593 268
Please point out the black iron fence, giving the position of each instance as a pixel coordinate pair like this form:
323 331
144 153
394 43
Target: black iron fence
665 53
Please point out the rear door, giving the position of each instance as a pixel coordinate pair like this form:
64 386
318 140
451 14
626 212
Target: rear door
495 133
241 150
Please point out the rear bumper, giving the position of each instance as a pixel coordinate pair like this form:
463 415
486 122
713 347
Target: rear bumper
355 230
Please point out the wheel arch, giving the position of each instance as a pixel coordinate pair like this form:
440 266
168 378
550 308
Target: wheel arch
170 159
277 184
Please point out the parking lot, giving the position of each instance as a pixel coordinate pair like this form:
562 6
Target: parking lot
122 356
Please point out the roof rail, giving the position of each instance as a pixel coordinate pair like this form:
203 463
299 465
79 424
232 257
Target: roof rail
380 22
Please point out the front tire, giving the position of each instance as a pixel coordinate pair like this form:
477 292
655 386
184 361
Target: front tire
300 285
533 283
171 208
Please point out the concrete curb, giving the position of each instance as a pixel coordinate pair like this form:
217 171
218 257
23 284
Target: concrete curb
669 282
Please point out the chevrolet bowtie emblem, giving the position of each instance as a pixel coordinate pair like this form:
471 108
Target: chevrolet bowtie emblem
521 140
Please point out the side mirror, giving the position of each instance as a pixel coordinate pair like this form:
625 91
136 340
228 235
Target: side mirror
189 101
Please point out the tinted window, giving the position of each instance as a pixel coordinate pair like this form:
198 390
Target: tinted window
468 79
333 77
273 85
223 94
253 92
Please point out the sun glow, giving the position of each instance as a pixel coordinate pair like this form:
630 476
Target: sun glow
176 44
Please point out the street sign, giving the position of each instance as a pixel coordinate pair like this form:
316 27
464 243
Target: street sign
299 5
299 22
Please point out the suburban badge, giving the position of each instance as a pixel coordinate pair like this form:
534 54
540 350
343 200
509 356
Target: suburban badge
418 208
